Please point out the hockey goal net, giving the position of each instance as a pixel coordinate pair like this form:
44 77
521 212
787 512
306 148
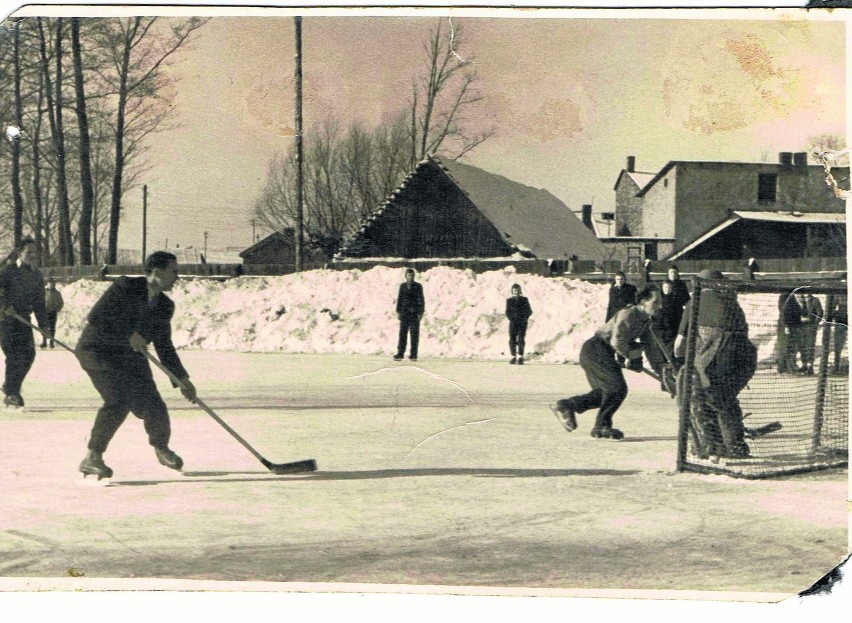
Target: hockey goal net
792 406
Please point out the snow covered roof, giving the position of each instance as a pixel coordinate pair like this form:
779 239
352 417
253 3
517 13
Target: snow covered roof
525 216
806 218
285 237
529 219
640 178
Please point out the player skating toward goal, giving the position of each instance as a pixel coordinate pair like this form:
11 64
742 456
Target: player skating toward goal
133 312
625 335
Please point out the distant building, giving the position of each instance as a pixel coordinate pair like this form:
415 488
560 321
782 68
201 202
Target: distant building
727 210
445 209
277 248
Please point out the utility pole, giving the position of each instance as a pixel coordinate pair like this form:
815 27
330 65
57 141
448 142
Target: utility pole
205 245
299 150
144 222
252 232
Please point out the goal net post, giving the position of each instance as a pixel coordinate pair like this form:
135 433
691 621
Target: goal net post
764 387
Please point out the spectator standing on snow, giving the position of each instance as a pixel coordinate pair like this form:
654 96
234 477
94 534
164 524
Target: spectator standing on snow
812 316
54 303
621 294
625 336
21 293
679 289
518 311
789 332
410 306
133 312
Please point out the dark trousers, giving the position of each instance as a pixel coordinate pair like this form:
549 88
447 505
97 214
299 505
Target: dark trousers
408 324
18 345
128 388
517 337
51 325
609 389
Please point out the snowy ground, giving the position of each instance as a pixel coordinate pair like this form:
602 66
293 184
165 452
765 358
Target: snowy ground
450 473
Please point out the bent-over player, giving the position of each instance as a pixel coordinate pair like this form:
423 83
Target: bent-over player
133 312
624 335
725 361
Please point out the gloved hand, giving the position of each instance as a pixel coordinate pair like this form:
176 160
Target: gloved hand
188 390
138 343
635 365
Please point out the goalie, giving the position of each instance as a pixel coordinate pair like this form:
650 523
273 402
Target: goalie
725 361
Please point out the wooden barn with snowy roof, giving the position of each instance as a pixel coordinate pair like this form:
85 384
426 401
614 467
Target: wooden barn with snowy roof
446 209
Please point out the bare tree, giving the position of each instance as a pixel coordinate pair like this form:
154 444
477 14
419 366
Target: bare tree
440 97
826 142
84 232
54 106
139 50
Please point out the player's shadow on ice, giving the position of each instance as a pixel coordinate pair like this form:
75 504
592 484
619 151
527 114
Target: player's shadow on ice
224 477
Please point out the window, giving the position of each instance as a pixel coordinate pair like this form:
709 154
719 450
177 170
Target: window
766 185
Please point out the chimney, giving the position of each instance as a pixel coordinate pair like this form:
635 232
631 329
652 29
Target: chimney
631 164
800 159
587 217
785 158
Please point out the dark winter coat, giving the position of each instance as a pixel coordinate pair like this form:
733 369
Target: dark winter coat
22 287
667 320
791 311
518 309
122 310
53 301
619 298
409 301
680 292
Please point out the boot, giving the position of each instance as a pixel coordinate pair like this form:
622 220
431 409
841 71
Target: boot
521 360
606 432
14 401
94 464
513 361
566 414
51 343
169 458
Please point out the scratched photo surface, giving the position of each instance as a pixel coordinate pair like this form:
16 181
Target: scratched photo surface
547 150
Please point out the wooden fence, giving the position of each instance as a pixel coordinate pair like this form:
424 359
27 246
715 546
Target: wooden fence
590 270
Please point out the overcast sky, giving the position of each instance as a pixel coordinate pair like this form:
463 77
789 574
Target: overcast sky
569 98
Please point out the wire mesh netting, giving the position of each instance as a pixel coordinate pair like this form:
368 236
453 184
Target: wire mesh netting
765 387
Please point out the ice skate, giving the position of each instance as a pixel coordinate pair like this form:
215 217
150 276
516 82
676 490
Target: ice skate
564 412
14 402
94 465
605 432
169 458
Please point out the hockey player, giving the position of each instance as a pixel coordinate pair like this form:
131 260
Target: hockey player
22 294
518 311
725 361
133 312
598 357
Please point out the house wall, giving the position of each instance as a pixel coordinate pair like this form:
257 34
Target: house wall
658 207
772 240
628 207
707 192
430 218
275 252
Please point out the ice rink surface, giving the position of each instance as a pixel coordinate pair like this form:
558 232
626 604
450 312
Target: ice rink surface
440 473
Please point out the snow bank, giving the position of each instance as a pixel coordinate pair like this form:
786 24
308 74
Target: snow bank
465 313
353 311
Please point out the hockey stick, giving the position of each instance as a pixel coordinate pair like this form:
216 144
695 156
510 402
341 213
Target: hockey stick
20 318
308 465
760 431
